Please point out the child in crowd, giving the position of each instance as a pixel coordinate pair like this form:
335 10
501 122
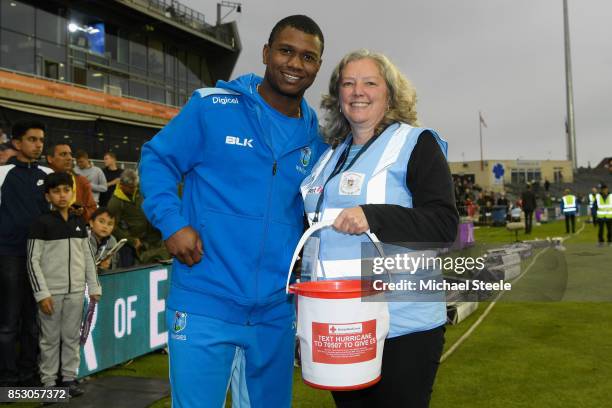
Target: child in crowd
102 223
60 262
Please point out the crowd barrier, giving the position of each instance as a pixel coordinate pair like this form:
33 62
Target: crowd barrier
499 215
129 320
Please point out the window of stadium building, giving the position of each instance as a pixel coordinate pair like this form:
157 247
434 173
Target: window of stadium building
17 16
522 176
156 58
50 60
51 27
17 51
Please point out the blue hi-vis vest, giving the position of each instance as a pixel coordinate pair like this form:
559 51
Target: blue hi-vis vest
569 204
378 176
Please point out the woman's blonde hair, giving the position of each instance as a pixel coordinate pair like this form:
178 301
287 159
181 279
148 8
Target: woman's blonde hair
402 98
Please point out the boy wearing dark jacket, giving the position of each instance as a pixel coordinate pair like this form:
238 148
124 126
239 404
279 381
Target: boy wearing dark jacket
60 263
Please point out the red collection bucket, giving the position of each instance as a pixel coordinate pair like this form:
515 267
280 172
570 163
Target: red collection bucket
341 336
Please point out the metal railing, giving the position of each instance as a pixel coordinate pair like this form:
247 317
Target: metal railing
500 215
189 17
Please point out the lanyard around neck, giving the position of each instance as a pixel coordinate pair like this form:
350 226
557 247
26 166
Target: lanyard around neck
337 169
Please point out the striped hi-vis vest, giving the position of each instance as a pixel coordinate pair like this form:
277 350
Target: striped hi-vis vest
604 207
378 176
569 204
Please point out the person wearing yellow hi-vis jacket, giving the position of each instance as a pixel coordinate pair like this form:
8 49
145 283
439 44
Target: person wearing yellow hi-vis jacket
603 206
569 208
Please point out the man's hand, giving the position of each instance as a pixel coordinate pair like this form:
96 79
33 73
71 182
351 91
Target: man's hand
137 244
94 298
186 246
105 264
351 221
46 305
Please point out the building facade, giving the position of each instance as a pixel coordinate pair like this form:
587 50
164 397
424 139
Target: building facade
494 174
107 74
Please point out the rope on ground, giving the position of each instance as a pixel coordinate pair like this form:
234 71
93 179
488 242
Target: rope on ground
477 323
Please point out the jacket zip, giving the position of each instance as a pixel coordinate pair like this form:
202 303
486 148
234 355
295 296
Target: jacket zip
69 262
267 215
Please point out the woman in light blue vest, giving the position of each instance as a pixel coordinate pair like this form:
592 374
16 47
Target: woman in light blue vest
386 175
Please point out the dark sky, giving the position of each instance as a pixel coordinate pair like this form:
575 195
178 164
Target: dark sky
503 57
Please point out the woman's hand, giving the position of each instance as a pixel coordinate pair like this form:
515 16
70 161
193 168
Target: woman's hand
351 221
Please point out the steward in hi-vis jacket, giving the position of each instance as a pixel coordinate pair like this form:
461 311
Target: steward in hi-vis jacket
569 208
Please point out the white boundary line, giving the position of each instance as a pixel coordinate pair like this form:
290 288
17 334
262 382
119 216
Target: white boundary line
472 328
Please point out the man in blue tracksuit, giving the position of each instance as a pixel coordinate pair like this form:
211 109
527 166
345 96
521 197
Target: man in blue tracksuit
242 150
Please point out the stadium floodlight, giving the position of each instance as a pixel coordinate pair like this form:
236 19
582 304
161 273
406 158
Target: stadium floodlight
73 27
233 6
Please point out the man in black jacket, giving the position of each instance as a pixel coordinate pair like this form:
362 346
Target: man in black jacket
21 202
529 205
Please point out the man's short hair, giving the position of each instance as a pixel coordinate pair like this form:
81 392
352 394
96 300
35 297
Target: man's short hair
111 154
129 177
102 210
81 154
6 146
299 22
21 127
57 179
50 151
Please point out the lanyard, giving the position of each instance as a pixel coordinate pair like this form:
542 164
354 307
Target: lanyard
338 168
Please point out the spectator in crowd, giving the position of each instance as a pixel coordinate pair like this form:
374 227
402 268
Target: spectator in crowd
112 173
502 201
22 201
6 152
481 203
144 241
603 206
528 201
546 184
58 282
547 201
94 174
592 208
101 225
59 157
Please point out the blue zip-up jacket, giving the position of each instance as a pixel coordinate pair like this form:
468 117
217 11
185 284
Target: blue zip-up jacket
22 201
239 194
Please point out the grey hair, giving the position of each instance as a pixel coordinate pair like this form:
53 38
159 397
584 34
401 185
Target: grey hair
129 177
402 98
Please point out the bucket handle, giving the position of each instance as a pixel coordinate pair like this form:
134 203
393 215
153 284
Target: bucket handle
316 227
